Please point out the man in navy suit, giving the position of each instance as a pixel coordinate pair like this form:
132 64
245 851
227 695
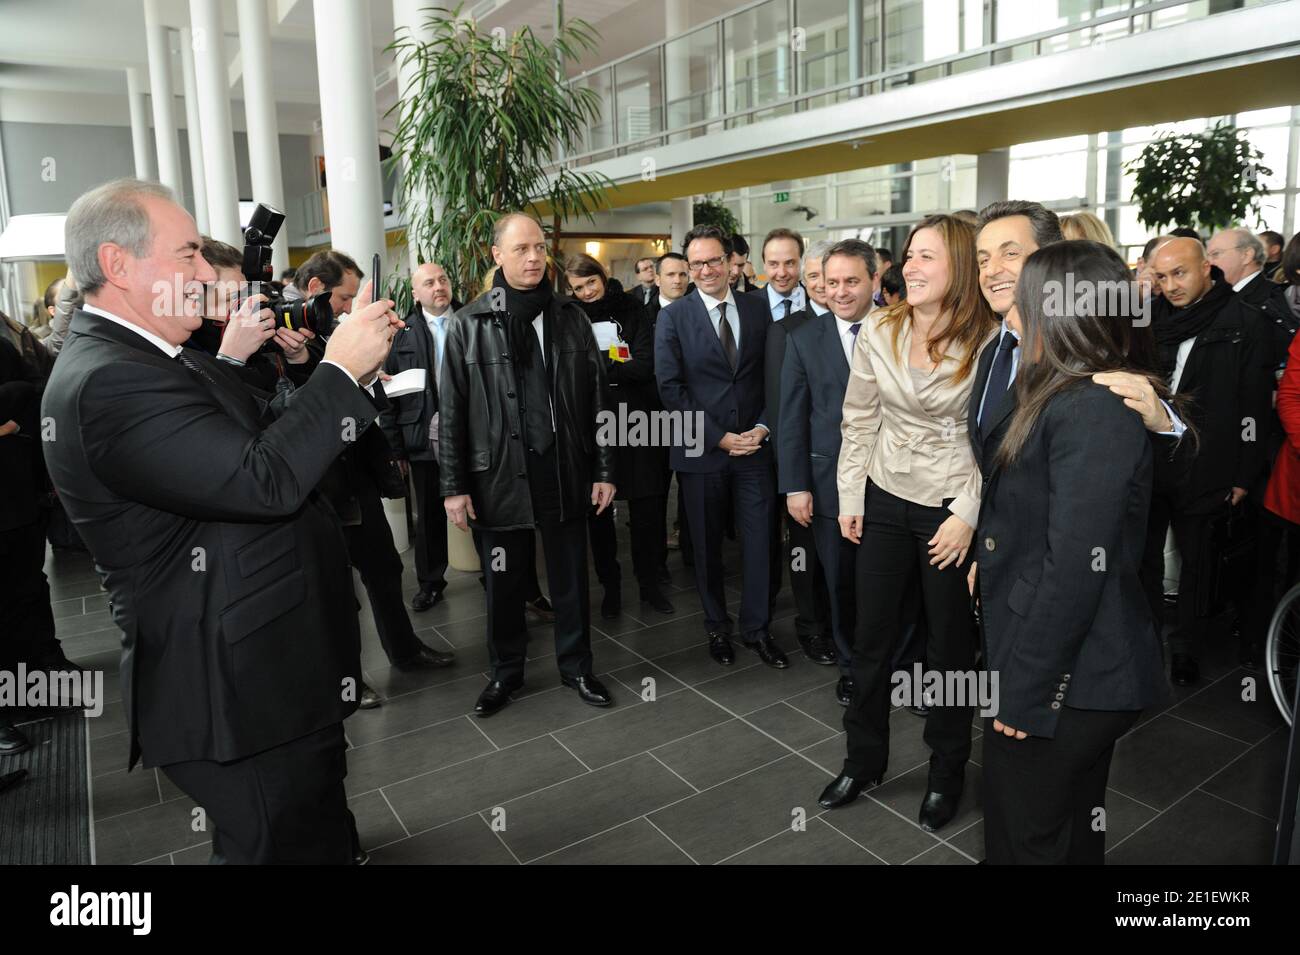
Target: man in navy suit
709 353
786 300
814 377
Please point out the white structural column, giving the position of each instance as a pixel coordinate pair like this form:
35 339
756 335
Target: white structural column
212 78
160 94
259 110
345 64
194 132
350 128
411 14
992 176
677 67
139 124
683 221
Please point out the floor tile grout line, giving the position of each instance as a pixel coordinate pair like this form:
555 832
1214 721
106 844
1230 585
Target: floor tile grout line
670 839
1196 788
1235 805
383 795
674 772
474 723
813 718
580 760
822 816
1209 729
500 839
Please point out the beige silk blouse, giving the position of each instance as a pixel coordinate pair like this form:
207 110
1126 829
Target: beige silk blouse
906 430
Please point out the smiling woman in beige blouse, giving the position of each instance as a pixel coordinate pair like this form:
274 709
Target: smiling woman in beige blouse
905 451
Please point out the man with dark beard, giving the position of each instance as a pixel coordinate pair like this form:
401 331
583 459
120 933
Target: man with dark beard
523 384
1212 347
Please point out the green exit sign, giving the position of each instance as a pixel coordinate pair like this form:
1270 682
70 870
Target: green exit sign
780 197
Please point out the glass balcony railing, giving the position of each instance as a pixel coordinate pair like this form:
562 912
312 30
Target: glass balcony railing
776 57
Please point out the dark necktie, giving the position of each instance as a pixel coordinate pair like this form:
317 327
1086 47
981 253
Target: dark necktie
786 303
725 336
999 378
194 366
854 329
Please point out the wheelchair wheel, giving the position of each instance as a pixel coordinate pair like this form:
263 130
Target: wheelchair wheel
1283 652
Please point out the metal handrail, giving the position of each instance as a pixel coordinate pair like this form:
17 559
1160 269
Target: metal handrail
869 80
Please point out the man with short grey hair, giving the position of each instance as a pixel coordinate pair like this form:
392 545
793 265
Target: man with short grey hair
227 575
1240 255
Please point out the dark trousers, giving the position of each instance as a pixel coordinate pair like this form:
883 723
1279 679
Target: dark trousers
26 618
894 552
748 483
373 553
807 577
1041 795
839 558
684 541
1189 535
648 517
530 587
430 527
604 547
508 558
284 805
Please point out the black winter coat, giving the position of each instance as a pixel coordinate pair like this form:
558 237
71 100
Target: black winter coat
480 435
643 469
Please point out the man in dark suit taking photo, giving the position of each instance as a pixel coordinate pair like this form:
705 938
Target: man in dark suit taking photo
227 575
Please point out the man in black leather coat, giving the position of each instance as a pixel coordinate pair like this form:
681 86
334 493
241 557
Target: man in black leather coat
521 389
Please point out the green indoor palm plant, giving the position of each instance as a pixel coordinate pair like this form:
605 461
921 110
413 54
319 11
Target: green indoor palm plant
1206 181
478 125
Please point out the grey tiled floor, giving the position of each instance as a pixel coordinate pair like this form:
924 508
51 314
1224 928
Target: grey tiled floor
724 765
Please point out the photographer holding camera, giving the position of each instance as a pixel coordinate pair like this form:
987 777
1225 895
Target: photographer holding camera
227 574
365 474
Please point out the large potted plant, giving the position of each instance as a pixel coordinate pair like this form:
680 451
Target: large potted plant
478 124
1206 181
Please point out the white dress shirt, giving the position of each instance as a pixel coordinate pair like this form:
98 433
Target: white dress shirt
171 351
775 300
847 338
817 309
733 319
1242 283
664 303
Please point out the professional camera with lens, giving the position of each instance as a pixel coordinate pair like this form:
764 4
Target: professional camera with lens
315 313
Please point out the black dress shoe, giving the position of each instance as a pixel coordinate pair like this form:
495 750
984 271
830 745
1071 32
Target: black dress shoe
818 649
769 653
937 810
9 780
612 605
425 657
425 598
494 697
12 740
1183 669
655 598
844 691
362 857
720 649
369 698
921 710
541 609
590 690
843 790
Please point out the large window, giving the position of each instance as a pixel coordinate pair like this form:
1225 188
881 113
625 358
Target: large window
757 52
693 78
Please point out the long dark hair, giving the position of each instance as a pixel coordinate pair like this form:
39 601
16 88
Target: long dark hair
1080 314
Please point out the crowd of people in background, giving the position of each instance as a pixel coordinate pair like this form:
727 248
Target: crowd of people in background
949 472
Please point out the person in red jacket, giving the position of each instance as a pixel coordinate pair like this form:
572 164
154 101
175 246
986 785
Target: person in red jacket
1282 498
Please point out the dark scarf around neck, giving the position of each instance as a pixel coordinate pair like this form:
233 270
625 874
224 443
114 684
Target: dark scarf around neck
1173 326
522 306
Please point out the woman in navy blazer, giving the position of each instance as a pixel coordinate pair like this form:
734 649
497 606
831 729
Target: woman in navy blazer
1066 629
